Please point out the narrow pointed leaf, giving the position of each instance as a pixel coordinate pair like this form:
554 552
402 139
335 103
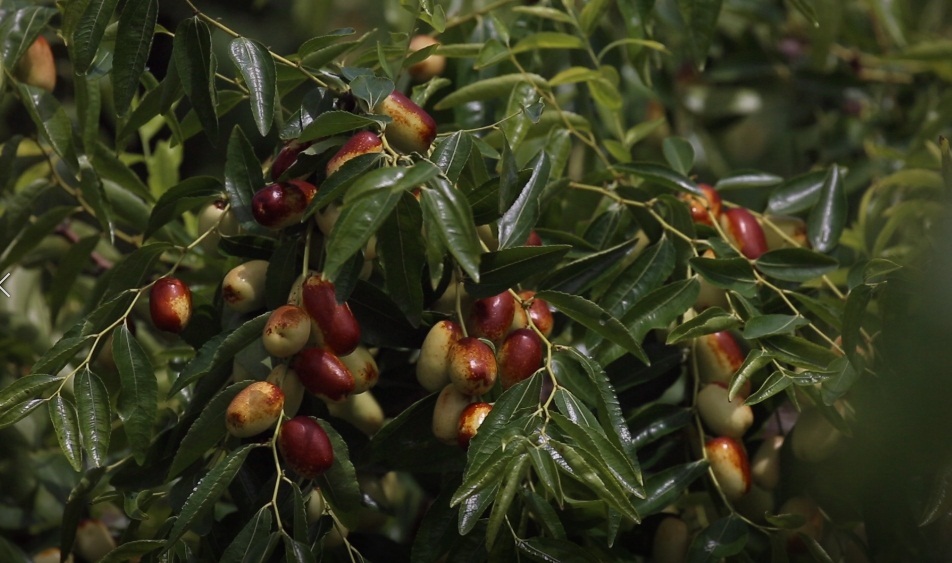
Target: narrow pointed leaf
594 318
452 153
195 63
218 350
95 416
207 430
51 121
243 177
827 220
66 425
661 175
447 214
138 395
89 32
257 70
795 264
133 43
710 320
503 269
517 222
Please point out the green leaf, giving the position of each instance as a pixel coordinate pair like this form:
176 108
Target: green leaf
723 538
756 359
806 8
131 551
207 492
656 421
138 395
219 350
517 222
16 412
89 32
338 182
339 483
92 189
660 175
334 122
371 89
591 471
700 21
664 488
797 194
63 415
88 107
95 416
296 551
646 273
72 265
447 214
799 351
503 269
26 387
401 247
735 274
512 479
407 443
679 153
488 89
774 384
52 361
243 177
579 276
195 64
317 43
550 550
610 457
19 30
592 14
473 507
573 75
452 153
544 13
795 264
283 268
710 320
516 127
51 121
746 179
828 217
545 515
594 318
257 70
768 325
133 44
207 430
188 195
251 543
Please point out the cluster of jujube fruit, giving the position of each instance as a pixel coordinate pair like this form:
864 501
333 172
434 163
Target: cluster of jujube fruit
748 484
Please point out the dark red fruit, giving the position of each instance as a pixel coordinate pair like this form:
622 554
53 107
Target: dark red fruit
323 374
519 357
472 366
364 142
305 447
491 317
539 312
742 227
286 158
534 239
339 329
277 206
170 304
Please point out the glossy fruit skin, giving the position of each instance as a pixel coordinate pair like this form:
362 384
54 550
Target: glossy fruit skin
705 209
718 356
446 413
793 227
281 205
433 65
765 466
37 66
254 409
243 286
323 374
431 367
742 227
170 304
339 330
472 366
519 357
412 129
364 142
491 317
305 447
362 410
723 417
730 466
710 295
470 420
363 368
286 157
290 384
539 312
287 331
215 216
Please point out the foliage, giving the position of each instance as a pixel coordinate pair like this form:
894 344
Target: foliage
588 123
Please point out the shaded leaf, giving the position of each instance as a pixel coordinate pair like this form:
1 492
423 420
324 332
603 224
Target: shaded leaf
578 276
258 72
195 64
664 488
87 35
768 325
797 194
188 195
51 121
95 416
206 431
66 425
243 177
795 264
660 175
828 217
517 222
339 483
774 384
723 538
710 320
130 550
594 318
452 153
218 350
138 395
756 359
447 214
503 269
488 89
133 44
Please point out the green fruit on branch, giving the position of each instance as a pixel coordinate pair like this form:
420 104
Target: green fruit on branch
449 406
721 416
412 129
491 317
765 466
323 374
793 228
290 384
472 366
338 328
281 205
744 232
170 304
470 420
287 331
243 286
519 356
710 295
361 410
432 365
433 65
363 368
254 409
215 214
365 142
729 465
305 447
37 67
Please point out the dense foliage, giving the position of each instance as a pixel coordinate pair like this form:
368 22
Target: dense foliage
577 145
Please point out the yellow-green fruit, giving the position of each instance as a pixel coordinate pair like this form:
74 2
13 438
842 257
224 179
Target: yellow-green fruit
315 506
287 331
449 406
755 503
431 368
214 217
433 65
289 383
361 410
254 409
814 438
723 417
765 467
243 286
363 367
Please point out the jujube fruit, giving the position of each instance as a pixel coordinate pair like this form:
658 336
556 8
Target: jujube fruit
365 142
470 420
254 409
281 205
286 331
305 447
431 367
519 357
170 304
449 406
745 232
730 466
491 317
243 286
432 65
472 366
339 330
37 67
323 374
411 128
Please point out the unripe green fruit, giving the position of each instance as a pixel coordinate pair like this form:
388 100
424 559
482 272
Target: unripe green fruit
433 65
362 410
449 406
315 506
323 374
290 384
412 129
470 420
793 227
724 417
339 330
519 357
254 409
765 467
491 317
305 447
214 214
170 304
431 368
286 331
363 368
472 366
364 142
243 286
730 466
37 66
